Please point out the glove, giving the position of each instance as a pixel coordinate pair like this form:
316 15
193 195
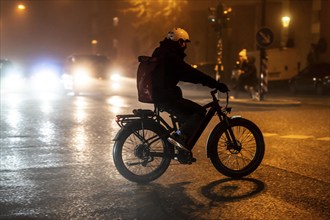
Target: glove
222 87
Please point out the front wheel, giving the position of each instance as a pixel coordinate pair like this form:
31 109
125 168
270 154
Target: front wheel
241 159
139 153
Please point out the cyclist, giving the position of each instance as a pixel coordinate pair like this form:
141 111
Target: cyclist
166 93
248 78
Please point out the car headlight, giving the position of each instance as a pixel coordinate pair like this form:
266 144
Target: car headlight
45 76
115 80
12 81
45 79
115 77
81 76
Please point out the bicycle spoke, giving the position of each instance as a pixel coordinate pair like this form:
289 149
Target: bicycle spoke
150 142
237 159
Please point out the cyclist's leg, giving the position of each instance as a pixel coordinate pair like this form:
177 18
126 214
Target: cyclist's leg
189 113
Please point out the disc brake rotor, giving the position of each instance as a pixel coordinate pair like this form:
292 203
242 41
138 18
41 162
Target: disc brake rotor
232 148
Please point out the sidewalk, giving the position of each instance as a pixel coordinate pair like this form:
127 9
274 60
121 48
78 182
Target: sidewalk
276 97
269 100
243 99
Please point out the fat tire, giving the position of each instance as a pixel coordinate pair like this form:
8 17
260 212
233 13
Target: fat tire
215 144
121 142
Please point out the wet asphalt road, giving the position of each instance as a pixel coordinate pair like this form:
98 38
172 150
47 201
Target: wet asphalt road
56 163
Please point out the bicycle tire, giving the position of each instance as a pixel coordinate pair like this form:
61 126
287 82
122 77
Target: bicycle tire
130 148
237 164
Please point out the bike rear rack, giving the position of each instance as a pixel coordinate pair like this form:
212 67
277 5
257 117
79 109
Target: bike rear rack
138 114
144 114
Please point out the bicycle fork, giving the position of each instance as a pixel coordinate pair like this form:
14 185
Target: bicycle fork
232 144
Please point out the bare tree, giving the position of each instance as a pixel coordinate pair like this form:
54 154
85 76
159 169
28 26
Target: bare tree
153 19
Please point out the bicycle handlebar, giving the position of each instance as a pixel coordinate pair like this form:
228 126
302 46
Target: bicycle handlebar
215 91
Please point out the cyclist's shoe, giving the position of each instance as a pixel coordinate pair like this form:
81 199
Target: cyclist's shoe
178 141
185 157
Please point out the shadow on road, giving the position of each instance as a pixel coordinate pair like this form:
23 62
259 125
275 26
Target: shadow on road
230 190
155 201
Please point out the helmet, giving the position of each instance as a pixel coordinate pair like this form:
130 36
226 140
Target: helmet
243 54
178 33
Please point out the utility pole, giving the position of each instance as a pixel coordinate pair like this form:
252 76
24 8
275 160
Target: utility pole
219 18
263 85
264 38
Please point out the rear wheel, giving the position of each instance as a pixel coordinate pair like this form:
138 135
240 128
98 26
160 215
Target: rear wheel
241 159
140 154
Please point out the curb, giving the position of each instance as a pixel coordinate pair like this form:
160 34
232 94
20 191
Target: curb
271 102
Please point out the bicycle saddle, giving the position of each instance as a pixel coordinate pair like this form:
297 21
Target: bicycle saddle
143 112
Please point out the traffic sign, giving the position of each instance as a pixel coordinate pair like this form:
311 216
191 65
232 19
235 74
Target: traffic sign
265 37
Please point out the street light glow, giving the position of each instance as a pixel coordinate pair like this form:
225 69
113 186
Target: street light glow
228 10
21 7
286 21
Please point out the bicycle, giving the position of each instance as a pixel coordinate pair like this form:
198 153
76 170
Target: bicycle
142 153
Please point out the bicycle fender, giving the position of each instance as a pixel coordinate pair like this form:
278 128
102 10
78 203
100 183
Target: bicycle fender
128 126
235 116
121 131
119 134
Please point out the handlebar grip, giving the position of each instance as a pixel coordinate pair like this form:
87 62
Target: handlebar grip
214 91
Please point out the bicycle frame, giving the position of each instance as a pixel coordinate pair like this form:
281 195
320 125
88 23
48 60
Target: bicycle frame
213 108
143 142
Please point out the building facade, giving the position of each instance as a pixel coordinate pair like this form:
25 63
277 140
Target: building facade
307 32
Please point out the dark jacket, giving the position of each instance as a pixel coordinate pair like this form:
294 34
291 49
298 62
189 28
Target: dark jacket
249 77
171 70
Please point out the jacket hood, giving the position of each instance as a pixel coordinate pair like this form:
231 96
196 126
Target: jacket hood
173 46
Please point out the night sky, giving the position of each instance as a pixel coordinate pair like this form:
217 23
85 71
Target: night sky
55 29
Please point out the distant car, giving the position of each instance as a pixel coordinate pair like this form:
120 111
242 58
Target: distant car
314 78
90 73
5 67
11 77
45 75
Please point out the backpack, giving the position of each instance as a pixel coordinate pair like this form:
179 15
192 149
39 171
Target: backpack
145 71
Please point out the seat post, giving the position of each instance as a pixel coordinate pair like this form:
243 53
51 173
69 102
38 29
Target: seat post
156 109
174 120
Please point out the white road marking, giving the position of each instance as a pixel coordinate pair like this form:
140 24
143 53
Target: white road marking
292 136
323 139
269 134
